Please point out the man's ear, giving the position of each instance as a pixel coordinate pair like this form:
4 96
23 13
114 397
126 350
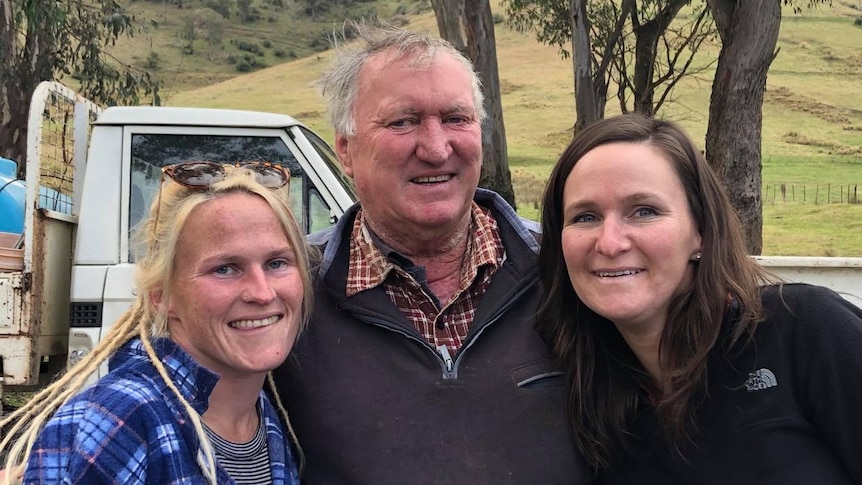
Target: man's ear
341 149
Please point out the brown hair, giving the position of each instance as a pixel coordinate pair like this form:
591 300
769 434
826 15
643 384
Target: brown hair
605 379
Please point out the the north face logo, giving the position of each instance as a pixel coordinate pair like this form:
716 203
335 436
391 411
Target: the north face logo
760 379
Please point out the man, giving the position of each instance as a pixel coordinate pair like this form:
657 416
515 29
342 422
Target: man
421 363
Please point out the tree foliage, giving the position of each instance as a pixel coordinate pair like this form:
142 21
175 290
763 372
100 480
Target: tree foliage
44 40
213 24
188 33
243 8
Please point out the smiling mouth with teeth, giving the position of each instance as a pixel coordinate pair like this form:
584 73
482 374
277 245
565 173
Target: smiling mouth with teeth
254 323
432 180
611 274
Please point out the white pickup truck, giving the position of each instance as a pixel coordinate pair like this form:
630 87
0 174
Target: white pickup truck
69 275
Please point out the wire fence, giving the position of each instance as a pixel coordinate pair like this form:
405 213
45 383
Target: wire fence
811 194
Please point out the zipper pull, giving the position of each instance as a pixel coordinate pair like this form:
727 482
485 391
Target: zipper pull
447 359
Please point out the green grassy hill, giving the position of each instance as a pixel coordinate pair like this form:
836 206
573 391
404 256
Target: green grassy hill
812 135
187 44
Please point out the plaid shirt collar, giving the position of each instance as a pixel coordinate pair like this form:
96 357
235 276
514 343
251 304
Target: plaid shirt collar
194 381
371 260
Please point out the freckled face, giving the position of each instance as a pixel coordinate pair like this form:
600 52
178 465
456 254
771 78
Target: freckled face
232 246
417 152
628 234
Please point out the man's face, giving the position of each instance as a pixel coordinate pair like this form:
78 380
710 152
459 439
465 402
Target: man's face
417 152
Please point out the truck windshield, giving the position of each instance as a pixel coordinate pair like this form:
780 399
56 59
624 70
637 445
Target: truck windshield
151 152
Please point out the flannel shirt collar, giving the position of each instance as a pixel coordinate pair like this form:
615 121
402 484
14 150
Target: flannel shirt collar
194 381
371 260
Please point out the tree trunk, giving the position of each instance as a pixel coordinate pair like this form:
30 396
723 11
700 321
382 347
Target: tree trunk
449 14
482 48
469 26
14 100
646 45
647 35
588 106
749 34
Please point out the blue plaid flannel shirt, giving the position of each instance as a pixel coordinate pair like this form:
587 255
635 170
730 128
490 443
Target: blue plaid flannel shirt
129 428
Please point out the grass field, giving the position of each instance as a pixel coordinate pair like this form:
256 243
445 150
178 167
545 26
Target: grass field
281 32
812 132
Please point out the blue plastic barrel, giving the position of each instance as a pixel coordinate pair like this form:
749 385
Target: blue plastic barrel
12 194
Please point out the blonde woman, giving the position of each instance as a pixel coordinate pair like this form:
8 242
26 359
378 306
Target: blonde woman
223 290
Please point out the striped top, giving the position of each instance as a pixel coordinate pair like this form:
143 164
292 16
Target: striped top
247 463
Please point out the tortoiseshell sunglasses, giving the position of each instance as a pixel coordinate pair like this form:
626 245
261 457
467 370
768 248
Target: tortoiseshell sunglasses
200 175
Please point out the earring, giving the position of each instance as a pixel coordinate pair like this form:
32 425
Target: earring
697 256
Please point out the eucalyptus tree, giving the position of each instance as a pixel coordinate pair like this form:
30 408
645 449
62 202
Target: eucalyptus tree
44 40
639 48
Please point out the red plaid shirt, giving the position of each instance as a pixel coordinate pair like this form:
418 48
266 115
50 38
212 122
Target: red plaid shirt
444 325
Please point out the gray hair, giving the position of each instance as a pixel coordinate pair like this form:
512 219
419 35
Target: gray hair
340 82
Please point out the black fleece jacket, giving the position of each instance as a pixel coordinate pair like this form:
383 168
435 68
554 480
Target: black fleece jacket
785 410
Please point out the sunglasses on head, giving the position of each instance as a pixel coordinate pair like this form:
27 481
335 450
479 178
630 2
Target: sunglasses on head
202 174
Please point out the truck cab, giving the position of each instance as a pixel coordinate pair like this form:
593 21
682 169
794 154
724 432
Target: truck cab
127 150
